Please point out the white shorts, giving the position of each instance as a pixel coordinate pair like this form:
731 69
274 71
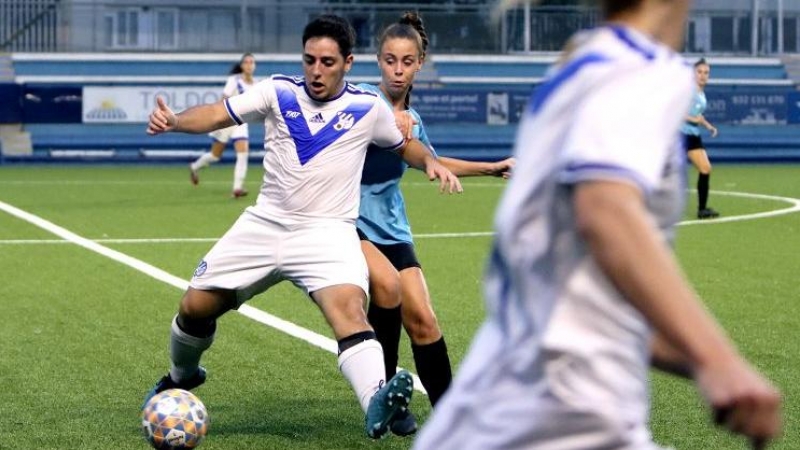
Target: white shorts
256 254
234 133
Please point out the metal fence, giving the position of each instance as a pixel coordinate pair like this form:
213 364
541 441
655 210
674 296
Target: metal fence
274 26
28 25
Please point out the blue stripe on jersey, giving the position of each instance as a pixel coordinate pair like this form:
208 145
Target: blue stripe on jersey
543 92
233 115
307 144
576 170
240 86
498 264
624 36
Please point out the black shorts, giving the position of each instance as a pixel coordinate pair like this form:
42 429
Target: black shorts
402 256
692 142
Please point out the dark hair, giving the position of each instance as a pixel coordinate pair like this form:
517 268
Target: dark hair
237 67
701 62
409 26
334 27
611 8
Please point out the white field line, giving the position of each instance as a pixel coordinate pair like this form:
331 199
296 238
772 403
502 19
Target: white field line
258 315
794 202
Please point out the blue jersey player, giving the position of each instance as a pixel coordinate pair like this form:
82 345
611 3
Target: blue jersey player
399 294
695 150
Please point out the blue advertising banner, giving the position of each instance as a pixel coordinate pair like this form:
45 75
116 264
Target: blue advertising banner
793 107
751 107
470 106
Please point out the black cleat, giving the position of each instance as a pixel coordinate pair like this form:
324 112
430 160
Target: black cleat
707 213
166 383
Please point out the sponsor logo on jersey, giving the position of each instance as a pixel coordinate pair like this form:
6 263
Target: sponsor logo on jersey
346 121
201 269
292 114
317 118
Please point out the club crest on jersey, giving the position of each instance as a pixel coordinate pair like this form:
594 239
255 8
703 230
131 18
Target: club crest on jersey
292 114
346 121
201 269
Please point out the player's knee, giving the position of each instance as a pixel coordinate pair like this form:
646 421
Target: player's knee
385 291
199 305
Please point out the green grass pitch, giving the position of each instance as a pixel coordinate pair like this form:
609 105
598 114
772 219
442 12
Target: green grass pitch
82 337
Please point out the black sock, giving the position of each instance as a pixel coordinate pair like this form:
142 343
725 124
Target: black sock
433 368
387 324
702 190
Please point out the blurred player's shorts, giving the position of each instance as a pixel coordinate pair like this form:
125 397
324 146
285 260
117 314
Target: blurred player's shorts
235 132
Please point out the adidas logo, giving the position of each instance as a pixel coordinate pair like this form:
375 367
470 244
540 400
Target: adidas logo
317 118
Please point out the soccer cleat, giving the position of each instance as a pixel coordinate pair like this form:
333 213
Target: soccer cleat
707 213
386 405
404 424
238 193
166 383
193 176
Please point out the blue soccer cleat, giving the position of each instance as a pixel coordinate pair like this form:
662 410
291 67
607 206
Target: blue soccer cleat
166 383
390 401
404 423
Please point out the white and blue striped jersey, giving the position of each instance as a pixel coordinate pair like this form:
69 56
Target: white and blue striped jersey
558 336
698 107
382 215
235 85
315 150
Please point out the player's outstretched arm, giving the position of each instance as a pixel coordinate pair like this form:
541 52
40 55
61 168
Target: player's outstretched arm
418 156
197 119
464 168
611 217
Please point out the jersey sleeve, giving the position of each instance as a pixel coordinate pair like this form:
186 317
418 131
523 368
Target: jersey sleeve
253 105
626 128
421 133
230 88
386 135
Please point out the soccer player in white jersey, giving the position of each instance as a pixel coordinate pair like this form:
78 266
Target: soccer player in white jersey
240 79
302 227
583 293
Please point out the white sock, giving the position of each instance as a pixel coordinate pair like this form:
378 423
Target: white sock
362 365
185 352
240 171
204 160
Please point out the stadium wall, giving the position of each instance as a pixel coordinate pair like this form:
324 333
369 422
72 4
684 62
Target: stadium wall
93 107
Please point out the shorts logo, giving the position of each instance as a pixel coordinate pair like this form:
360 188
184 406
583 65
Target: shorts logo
292 114
201 269
346 121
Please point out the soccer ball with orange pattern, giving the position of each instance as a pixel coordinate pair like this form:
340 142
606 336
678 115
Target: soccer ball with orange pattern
174 419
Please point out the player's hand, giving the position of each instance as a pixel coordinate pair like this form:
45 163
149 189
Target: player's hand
743 401
162 119
447 181
713 131
503 168
405 122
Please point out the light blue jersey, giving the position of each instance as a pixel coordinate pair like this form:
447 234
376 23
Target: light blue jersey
382 214
698 107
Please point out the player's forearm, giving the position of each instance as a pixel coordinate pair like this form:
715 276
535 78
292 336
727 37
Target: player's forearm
666 358
417 155
462 168
626 246
203 118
